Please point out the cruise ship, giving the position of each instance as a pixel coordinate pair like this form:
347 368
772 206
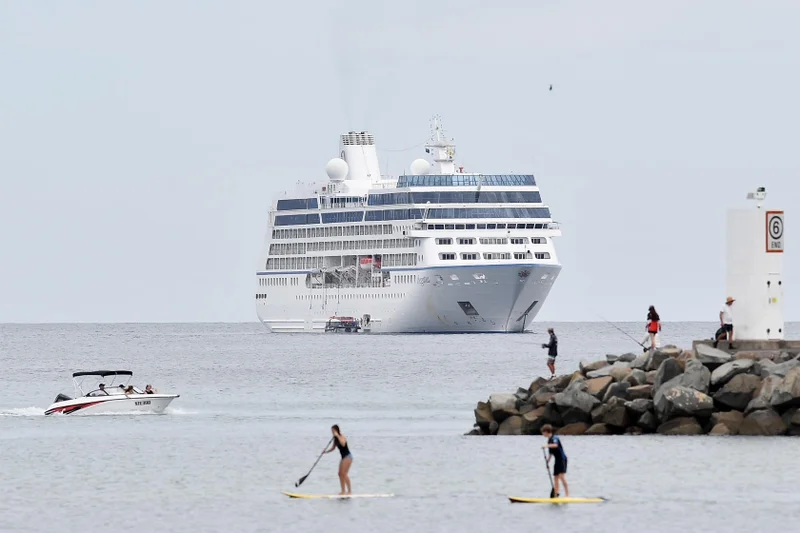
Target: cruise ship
438 250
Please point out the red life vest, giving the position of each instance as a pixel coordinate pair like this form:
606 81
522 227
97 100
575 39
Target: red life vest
653 326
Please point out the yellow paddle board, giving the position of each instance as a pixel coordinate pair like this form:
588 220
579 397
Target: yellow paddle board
335 496
516 499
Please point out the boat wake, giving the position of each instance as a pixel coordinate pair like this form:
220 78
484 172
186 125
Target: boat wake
22 411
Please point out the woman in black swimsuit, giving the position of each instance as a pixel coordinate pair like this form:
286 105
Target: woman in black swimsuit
340 441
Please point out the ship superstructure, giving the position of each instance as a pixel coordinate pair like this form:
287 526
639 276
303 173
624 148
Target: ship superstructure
438 250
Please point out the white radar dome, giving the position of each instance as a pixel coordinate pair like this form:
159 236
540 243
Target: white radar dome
420 167
337 169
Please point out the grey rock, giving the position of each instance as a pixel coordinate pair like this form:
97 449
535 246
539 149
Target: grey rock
765 422
696 376
503 406
616 415
611 358
627 357
533 421
511 426
731 419
738 392
536 384
493 427
586 367
711 356
617 390
551 415
640 391
578 428
637 377
577 385
648 421
669 369
483 416
724 373
597 387
606 370
640 363
779 369
599 429
639 406
757 404
787 392
526 408
522 394
720 430
676 402
620 373
681 426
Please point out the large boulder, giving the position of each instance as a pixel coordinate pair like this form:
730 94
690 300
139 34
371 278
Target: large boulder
575 406
542 396
599 429
738 392
578 428
681 426
792 419
765 422
651 377
640 391
778 369
720 376
621 373
503 406
787 393
659 355
676 402
522 395
606 370
731 419
627 357
639 406
597 387
637 377
640 362
511 426
617 390
696 376
537 384
616 415
483 416
719 430
712 357
586 367
552 415
648 421
533 421
669 369
577 384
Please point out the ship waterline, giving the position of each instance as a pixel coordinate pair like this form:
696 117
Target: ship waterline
437 251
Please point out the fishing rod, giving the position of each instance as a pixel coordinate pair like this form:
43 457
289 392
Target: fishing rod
623 332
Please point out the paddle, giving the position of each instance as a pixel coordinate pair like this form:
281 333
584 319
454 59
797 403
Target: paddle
300 481
547 466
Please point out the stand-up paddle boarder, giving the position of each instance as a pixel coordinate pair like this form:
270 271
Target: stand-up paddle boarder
556 452
340 441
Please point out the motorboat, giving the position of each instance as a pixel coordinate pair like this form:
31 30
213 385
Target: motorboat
109 397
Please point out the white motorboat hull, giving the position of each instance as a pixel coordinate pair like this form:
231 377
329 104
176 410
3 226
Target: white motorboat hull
113 404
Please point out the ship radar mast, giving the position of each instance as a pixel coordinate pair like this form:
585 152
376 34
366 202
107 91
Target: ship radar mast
442 150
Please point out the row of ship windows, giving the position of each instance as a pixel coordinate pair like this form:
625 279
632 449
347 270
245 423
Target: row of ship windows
413 214
298 263
474 256
485 226
365 296
278 282
461 180
492 240
456 197
332 231
406 278
303 247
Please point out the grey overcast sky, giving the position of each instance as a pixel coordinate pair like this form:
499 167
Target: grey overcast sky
141 143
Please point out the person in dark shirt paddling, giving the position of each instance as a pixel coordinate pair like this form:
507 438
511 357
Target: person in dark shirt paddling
557 453
340 441
552 352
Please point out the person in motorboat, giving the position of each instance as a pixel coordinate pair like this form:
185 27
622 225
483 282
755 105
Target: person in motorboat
148 389
340 441
129 390
99 392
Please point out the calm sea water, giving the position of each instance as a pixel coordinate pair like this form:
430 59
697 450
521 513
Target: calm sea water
255 411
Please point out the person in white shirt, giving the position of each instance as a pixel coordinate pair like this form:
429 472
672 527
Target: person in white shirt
726 323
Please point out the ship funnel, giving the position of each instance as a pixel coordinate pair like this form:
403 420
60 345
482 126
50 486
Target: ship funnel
357 148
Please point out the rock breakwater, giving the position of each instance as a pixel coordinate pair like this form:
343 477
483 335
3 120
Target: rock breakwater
670 391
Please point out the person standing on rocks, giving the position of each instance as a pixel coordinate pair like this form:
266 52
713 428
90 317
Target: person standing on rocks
726 323
552 352
653 326
557 453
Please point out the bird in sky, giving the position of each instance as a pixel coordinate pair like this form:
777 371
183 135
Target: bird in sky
551 86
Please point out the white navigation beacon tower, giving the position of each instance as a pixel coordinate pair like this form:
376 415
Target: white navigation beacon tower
755 270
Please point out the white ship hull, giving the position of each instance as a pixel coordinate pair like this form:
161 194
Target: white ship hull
459 299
